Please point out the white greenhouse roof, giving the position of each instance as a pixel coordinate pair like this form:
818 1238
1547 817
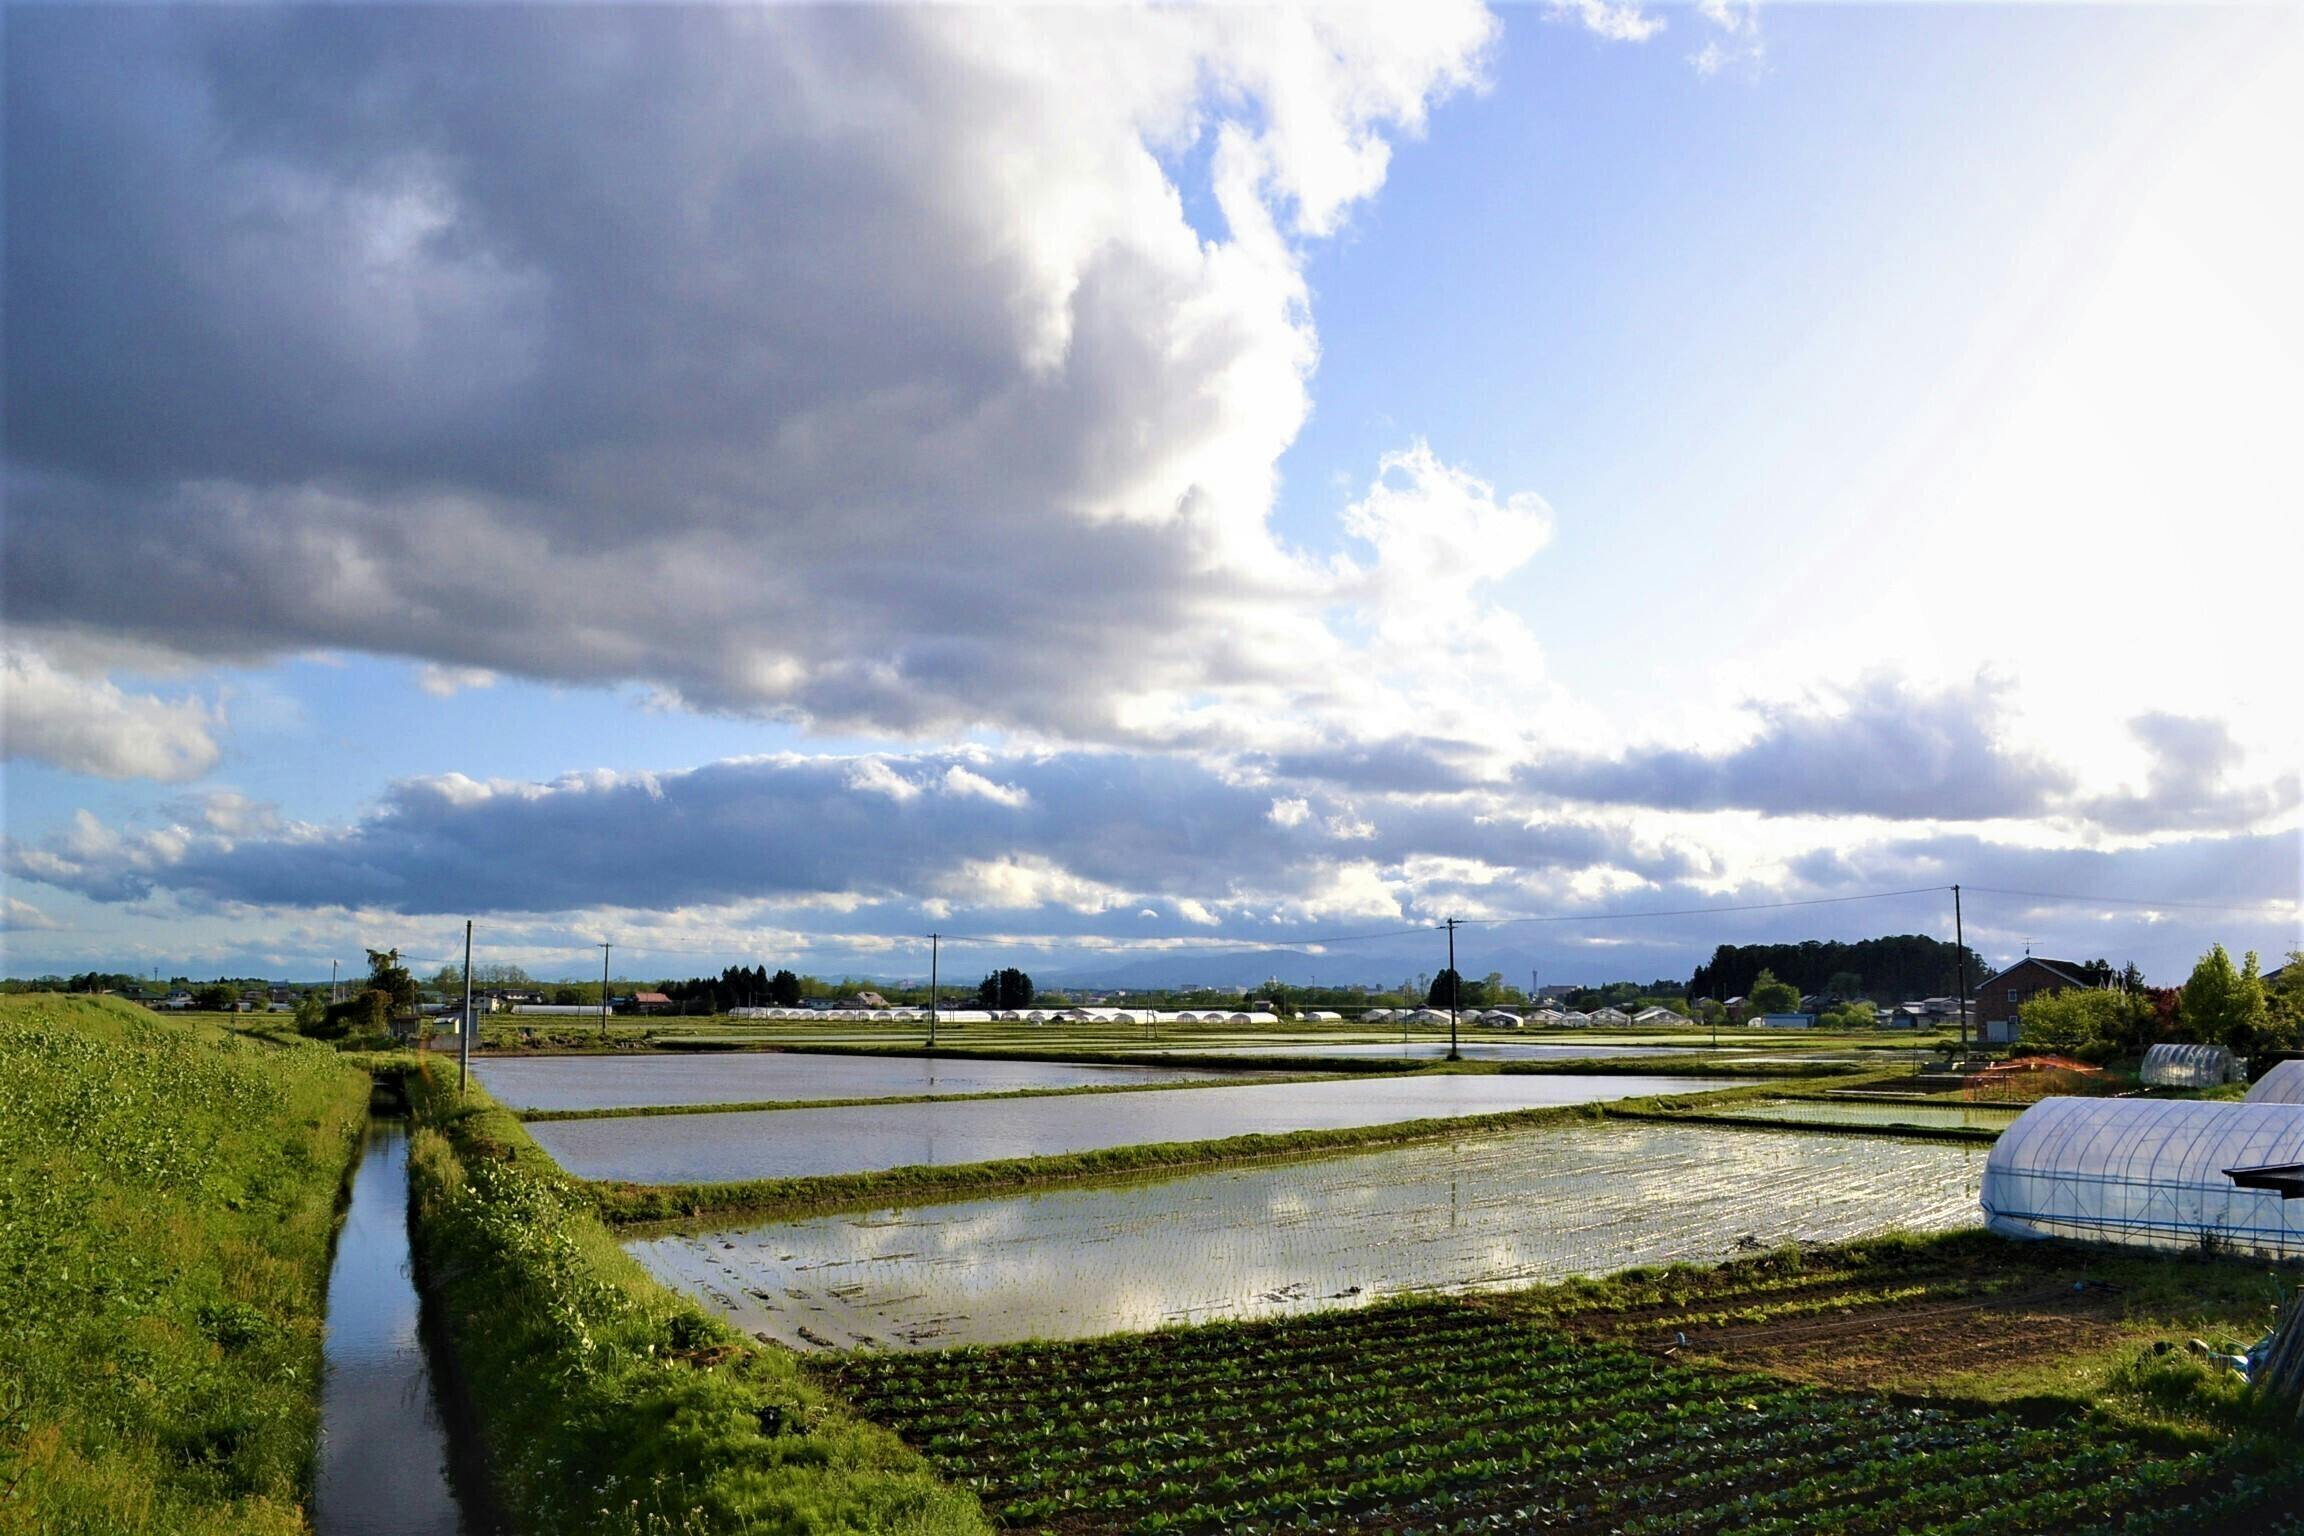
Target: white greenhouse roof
2145 1171
2284 1084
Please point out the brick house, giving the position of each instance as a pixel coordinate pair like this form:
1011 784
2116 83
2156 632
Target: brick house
2000 998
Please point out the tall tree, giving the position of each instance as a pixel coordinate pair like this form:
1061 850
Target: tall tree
1447 990
1768 995
2224 1005
1009 988
387 975
784 989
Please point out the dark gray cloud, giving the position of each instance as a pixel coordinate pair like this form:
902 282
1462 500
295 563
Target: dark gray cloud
1889 750
1083 831
855 361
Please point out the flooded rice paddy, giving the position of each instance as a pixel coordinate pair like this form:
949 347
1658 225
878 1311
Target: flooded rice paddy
383 1462
1952 1113
1491 1210
793 1143
1471 1050
750 1077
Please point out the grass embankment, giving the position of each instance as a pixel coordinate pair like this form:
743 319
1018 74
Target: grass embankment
168 1195
608 1404
1435 1416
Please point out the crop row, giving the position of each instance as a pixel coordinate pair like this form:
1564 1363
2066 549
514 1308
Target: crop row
1432 1416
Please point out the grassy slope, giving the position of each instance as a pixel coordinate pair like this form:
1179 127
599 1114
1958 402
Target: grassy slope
609 1404
167 1202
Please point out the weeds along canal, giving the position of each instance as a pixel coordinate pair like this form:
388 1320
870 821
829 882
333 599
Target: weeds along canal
383 1466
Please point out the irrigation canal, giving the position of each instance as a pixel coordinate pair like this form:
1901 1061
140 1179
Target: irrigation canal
383 1463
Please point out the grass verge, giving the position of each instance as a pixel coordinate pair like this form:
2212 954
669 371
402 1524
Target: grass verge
168 1196
607 1403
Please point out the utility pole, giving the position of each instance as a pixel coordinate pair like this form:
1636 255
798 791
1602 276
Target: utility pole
464 1045
603 991
933 940
334 996
1455 986
1960 941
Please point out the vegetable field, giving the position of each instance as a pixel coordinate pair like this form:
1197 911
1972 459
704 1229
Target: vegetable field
1431 1416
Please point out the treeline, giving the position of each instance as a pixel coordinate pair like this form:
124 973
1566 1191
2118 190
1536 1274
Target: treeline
1886 970
738 986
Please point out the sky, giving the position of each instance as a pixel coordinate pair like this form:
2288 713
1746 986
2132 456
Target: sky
1153 490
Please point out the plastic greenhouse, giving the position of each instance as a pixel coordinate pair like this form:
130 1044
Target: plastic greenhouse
2148 1171
2284 1084
2188 1066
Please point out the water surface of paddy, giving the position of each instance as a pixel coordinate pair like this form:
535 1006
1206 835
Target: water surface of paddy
790 1143
749 1077
1471 1050
1491 1210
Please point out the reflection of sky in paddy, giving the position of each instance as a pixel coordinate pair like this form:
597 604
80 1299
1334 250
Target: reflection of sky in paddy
788 1143
759 1077
1434 1050
1490 1210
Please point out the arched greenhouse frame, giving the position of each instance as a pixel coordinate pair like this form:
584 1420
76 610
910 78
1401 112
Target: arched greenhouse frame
2147 1171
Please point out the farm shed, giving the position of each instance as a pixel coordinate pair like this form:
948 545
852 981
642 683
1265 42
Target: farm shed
2189 1066
2284 1084
2147 1171
1322 1016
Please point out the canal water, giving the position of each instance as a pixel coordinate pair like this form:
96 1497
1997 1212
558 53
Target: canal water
383 1465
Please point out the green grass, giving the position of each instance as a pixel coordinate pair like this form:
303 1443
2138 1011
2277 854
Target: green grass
606 1403
1433 1416
168 1196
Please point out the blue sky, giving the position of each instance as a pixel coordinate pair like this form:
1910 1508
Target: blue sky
1093 478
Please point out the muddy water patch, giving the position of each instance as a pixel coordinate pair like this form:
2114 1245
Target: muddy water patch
796 1143
383 1462
1489 1211
1953 1115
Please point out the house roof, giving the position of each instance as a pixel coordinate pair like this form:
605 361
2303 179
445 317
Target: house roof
2064 968
650 997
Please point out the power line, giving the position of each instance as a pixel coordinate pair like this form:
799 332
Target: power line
2132 901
